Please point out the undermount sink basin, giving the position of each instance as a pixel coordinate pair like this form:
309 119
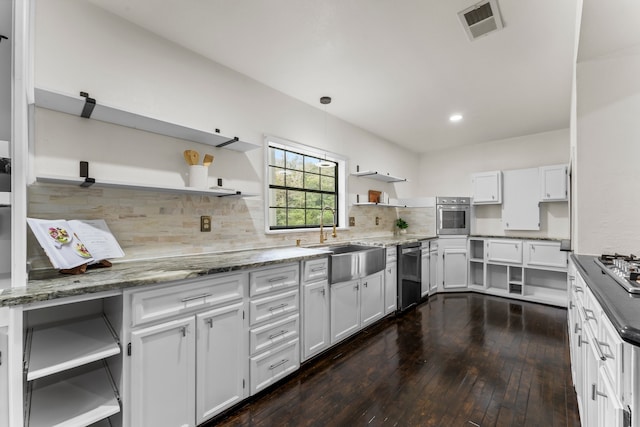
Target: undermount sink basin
350 262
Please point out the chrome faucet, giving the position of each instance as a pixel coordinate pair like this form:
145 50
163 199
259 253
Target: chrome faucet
334 234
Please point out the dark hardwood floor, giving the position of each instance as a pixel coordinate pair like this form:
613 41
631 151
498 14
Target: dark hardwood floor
456 360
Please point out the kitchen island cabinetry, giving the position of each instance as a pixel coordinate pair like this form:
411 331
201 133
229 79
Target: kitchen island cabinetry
315 307
180 332
355 304
602 363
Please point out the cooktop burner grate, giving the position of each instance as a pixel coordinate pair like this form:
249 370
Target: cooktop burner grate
625 269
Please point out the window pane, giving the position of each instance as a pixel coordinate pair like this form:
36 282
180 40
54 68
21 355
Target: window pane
311 181
294 161
329 200
294 179
277 176
327 183
278 198
314 201
311 164
295 199
313 217
278 217
328 171
276 157
327 217
295 217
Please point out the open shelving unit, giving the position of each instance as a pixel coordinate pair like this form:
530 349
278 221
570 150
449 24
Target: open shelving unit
214 192
379 176
476 264
87 107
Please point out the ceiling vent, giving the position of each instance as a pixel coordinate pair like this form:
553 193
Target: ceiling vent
481 19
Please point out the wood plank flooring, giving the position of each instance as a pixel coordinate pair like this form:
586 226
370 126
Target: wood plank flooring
456 360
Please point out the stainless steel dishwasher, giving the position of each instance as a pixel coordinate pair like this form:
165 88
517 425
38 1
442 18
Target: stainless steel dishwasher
409 275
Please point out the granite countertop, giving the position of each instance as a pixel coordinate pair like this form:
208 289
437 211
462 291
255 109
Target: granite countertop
485 236
620 306
50 284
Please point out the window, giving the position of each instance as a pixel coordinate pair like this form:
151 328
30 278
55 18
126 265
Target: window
300 192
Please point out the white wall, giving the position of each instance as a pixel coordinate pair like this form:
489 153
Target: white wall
448 173
122 65
5 70
608 149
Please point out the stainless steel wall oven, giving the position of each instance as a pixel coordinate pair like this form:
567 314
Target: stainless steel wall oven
453 215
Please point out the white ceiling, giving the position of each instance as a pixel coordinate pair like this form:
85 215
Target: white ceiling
395 68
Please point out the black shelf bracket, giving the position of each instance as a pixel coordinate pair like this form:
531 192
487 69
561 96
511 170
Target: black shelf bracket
89 105
3 38
84 173
231 141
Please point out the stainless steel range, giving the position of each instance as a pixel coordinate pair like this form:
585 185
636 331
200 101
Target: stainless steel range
625 269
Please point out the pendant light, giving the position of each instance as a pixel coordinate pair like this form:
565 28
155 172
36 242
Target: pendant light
325 100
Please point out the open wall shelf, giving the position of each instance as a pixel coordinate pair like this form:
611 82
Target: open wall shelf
378 176
90 108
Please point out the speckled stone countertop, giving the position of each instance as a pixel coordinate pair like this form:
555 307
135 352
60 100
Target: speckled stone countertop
481 236
50 284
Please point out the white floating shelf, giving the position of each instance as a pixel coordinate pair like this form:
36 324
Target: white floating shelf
74 402
58 348
378 176
215 192
379 204
75 104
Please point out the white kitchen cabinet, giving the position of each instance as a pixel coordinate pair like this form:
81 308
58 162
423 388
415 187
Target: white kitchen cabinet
520 208
504 251
4 378
452 263
544 254
486 188
345 309
425 274
274 364
221 368
356 304
163 380
315 324
391 288
433 266
554 183
371 299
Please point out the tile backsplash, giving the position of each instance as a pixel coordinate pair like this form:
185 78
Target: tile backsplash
151 224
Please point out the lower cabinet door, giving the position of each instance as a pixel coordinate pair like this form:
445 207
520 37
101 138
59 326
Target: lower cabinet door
391 288
163 374
270 366
315 324
4 379
222 360
345 303
454 267
425 274
371 299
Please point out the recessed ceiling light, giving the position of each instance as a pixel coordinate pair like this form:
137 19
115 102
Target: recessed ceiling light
455 117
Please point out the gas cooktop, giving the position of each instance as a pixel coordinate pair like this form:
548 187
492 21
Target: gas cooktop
625 269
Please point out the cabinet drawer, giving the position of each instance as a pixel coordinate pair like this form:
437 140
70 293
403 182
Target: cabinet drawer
544 254
612 348
273 306
272 365
272 334
270 279
316 269
391 254
155 304
508 251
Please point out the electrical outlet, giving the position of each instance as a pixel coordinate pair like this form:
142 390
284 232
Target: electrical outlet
352 221
377 220
205 223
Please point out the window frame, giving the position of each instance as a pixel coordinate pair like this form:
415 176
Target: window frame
342 180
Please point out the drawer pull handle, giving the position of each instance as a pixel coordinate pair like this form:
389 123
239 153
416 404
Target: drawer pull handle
577 328
313 270
187 299
608 355
571 304
589 314
209 322
581 341
278 307
595 393
277 279
578 288
275 365
322 291
278 334
183 331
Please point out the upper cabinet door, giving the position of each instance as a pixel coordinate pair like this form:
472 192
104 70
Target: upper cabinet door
486 187
520 209
554 183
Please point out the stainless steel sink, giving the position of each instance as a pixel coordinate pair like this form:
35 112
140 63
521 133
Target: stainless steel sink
349 262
